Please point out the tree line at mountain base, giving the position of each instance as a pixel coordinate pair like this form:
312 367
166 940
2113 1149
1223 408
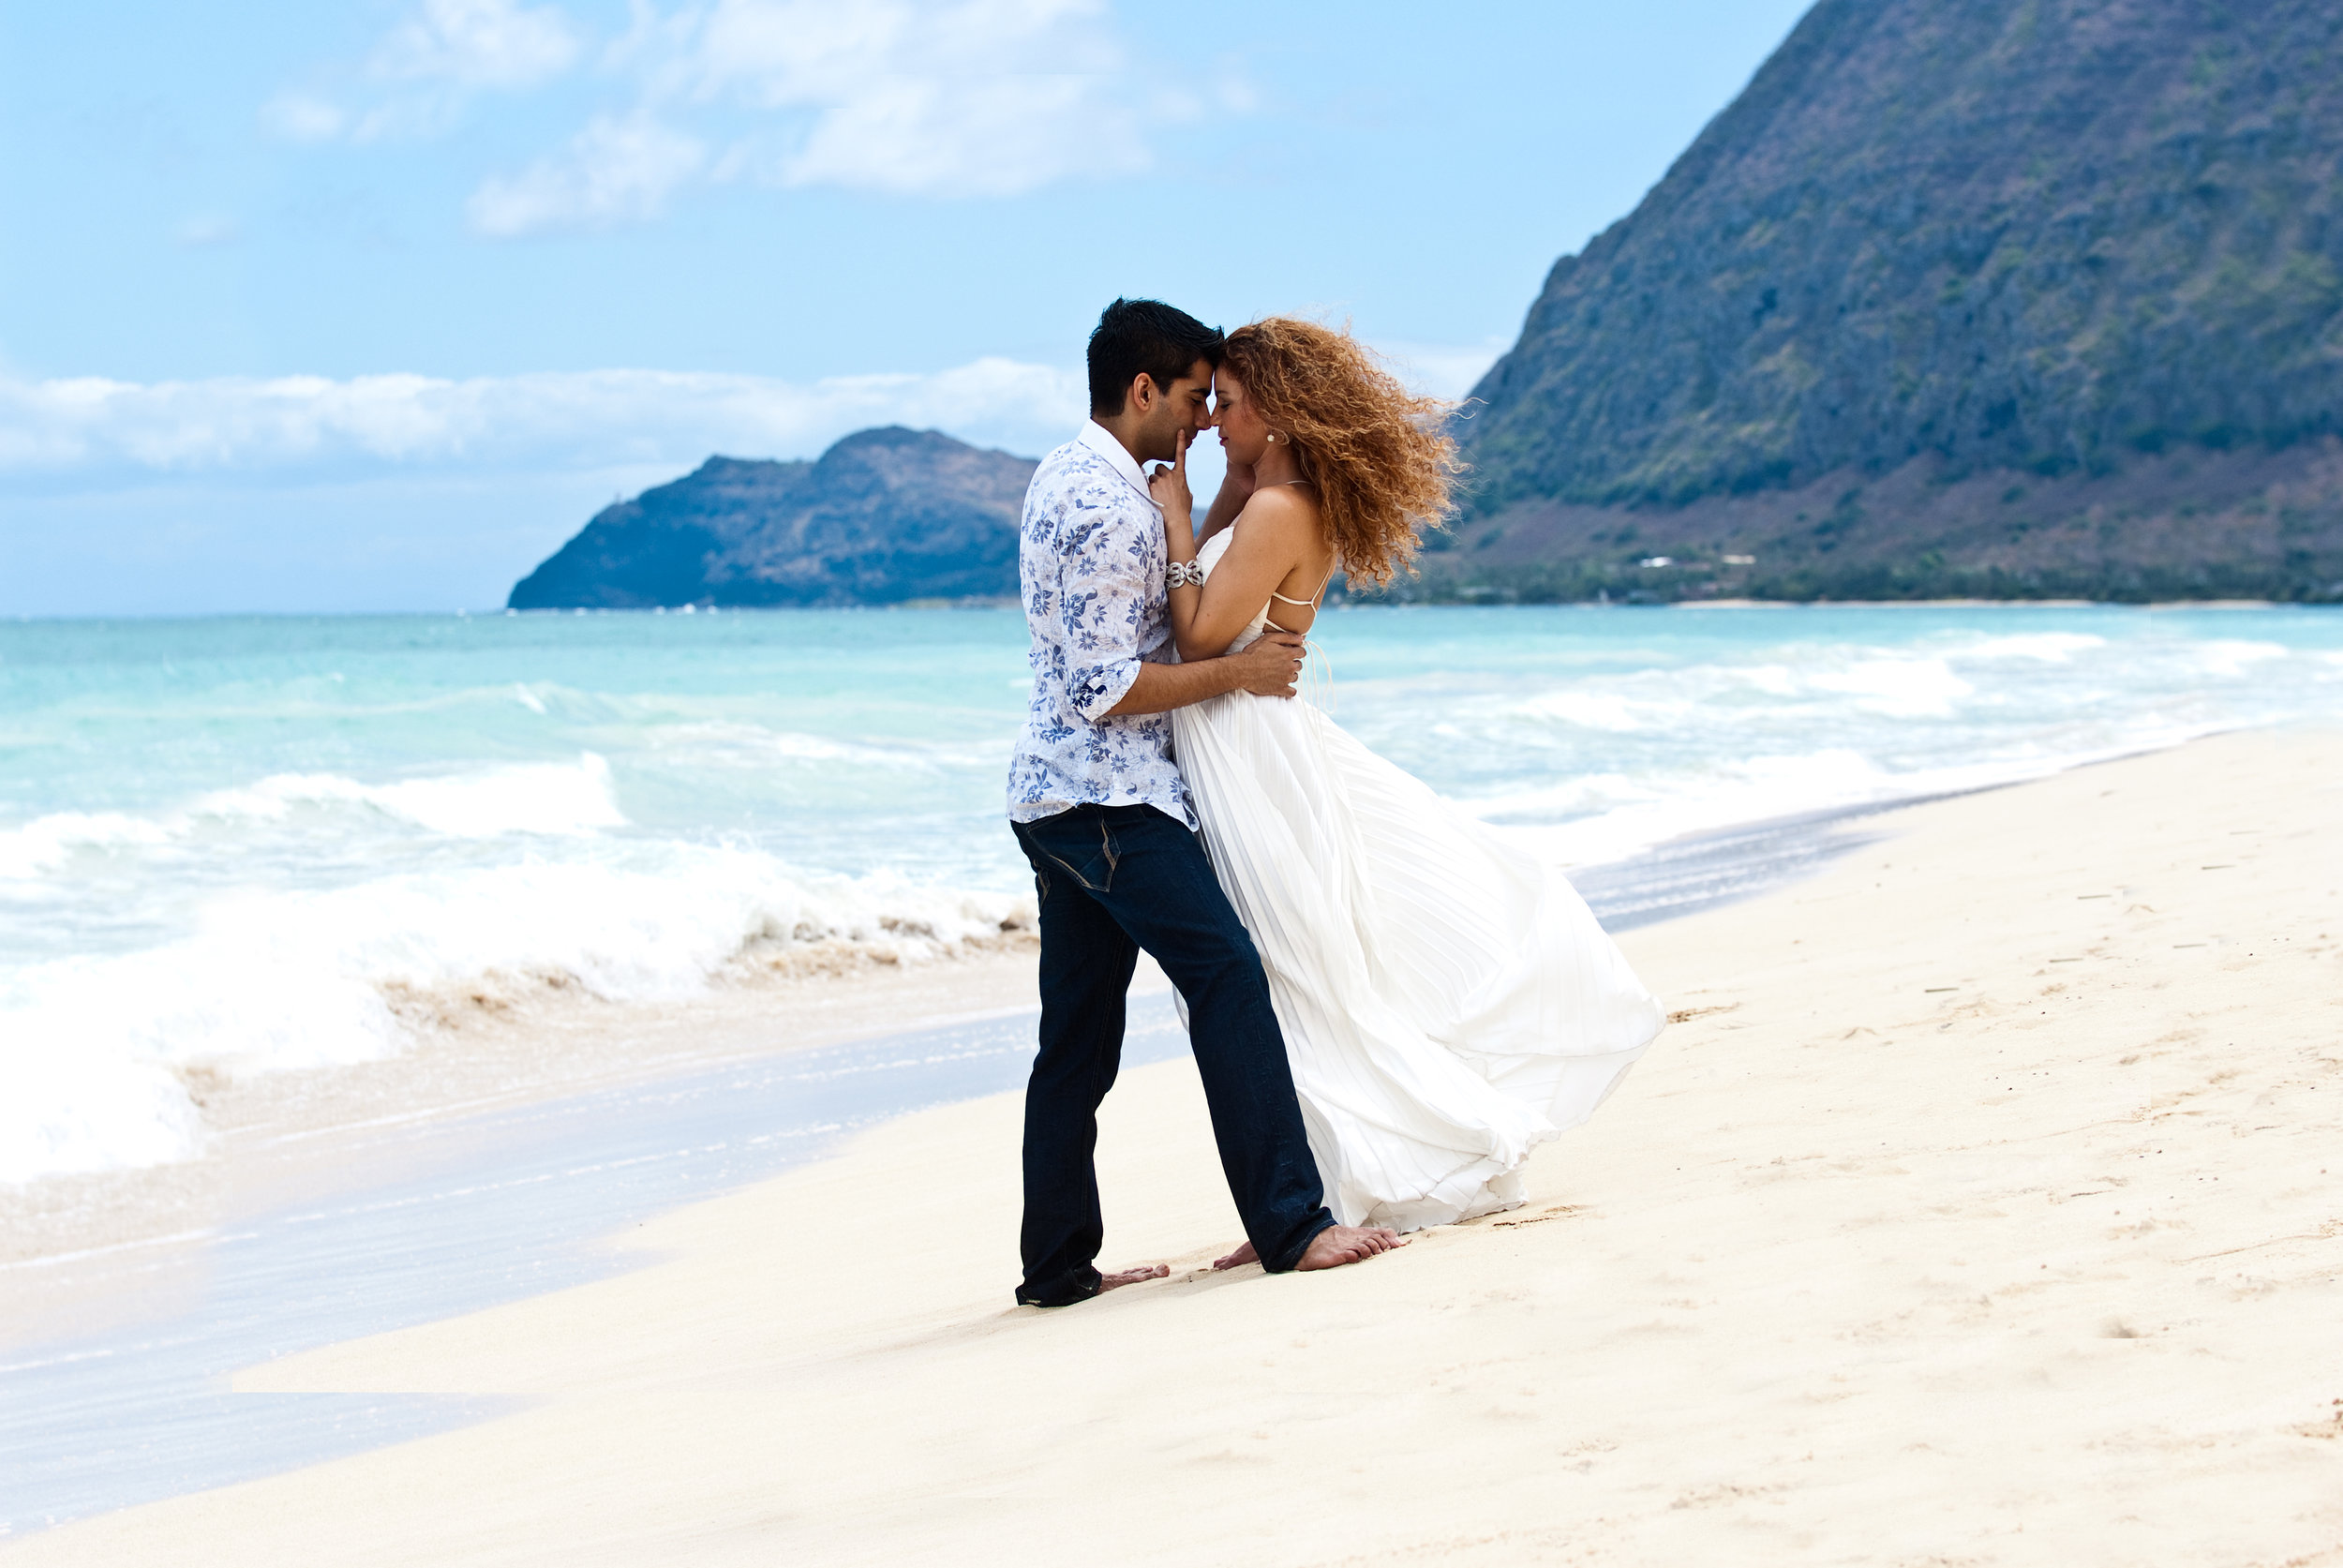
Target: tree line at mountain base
2196 523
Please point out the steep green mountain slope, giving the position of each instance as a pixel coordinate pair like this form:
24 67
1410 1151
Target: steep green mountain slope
884 516
2001 296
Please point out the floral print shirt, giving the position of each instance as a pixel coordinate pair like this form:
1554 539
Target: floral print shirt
1090 563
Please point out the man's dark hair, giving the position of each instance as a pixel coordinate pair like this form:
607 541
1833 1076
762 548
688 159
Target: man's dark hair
1145 335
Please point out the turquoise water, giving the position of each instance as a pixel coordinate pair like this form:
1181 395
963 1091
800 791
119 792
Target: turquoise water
228 842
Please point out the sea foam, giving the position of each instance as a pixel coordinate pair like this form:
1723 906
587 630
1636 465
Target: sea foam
527 798
96 1049
94 1052
561 798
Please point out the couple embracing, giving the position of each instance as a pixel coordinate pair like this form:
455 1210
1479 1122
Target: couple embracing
1389 1004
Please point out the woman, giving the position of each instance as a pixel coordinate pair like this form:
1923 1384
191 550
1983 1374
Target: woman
1447 1001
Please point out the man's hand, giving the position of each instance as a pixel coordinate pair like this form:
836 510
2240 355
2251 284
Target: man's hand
1265 669
1167 485
1271 666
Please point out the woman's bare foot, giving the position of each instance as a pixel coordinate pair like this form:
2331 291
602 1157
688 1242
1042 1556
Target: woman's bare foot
1338 1245
1329 1249
1133 1277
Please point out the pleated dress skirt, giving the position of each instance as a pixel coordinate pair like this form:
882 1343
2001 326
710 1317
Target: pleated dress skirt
1448 1002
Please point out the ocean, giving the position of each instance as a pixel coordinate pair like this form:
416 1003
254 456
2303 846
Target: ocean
237 844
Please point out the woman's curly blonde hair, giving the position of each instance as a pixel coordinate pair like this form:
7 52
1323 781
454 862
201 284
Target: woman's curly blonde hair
1382 465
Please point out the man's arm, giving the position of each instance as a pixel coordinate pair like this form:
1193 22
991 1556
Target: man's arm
1267 668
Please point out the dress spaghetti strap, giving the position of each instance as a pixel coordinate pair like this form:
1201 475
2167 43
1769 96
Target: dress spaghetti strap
1312 600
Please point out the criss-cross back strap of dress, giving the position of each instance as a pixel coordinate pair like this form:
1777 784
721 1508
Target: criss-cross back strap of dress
1312 601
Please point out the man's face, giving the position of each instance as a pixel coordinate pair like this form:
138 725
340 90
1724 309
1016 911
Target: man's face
1186 405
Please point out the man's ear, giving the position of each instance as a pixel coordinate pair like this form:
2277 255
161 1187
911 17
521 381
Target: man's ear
1142 393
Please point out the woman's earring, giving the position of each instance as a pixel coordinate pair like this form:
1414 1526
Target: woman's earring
1273 438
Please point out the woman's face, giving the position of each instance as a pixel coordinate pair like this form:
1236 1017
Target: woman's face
1243 434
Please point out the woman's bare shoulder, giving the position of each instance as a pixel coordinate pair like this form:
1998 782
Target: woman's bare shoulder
1282 509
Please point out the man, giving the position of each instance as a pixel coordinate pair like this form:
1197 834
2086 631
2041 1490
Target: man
1103 815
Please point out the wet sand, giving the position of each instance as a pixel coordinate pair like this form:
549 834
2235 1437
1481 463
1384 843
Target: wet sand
113 1242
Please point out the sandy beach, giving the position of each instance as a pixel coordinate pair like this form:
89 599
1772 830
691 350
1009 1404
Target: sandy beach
1975 1209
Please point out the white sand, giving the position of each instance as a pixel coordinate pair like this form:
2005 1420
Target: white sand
1980 1212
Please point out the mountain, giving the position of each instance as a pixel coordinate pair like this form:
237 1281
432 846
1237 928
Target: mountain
884 516
2012 297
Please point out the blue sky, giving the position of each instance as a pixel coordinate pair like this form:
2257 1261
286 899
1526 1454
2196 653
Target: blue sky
368 306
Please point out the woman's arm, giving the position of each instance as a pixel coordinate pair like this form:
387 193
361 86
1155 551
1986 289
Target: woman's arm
1280 534
1236 489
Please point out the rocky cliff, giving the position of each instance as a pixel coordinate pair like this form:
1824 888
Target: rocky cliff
1959 296
884 516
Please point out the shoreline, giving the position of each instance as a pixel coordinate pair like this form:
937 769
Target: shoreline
1972 1208
516 1044
81 1242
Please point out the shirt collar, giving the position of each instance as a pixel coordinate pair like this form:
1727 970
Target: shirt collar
1101 440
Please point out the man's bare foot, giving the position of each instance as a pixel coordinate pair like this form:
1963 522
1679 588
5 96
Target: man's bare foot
1238 1259
1133 1277
1338 1245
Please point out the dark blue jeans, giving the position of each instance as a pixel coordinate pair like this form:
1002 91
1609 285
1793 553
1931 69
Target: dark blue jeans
1113 880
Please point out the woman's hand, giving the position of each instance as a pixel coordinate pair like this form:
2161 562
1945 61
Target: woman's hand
1236 489
1168 485
1240 480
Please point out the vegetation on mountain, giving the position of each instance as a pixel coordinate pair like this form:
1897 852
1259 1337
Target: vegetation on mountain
2004 297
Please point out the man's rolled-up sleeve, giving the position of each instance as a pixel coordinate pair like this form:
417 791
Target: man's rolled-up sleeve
1102 608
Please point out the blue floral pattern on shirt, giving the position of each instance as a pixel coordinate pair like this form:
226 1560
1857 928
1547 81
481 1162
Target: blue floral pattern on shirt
1090 563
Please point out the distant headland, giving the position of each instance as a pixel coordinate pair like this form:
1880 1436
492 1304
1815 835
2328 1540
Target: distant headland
884 516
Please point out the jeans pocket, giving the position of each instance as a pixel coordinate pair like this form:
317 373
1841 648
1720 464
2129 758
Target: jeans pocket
1074 851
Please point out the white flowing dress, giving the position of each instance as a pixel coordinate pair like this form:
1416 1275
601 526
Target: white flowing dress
1448 1002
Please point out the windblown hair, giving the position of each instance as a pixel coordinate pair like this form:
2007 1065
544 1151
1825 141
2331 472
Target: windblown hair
1383 466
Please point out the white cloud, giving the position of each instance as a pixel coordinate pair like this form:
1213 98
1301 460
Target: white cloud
917 96
921 97
479 43
612 171
303 117
433 61
90 429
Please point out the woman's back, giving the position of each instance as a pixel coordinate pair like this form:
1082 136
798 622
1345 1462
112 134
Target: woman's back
1280 611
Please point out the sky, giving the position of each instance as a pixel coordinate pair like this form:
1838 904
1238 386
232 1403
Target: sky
369 304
